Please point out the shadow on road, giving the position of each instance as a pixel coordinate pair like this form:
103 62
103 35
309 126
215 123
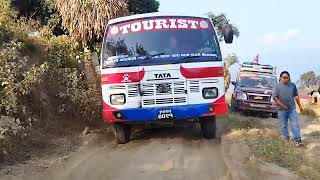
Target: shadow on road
190 133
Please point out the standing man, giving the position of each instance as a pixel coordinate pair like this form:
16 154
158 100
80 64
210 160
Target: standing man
285 94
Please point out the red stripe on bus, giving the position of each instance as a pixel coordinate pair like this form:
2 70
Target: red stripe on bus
127 77
192 73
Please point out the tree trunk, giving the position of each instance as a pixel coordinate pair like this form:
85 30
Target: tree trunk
90 70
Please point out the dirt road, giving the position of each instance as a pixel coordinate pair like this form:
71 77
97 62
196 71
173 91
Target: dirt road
170 153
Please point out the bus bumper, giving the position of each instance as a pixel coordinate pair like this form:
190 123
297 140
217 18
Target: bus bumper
151 114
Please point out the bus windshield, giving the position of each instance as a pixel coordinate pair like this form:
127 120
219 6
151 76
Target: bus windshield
160 46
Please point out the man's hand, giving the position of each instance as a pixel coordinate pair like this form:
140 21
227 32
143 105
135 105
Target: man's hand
300 107
299 103
283 106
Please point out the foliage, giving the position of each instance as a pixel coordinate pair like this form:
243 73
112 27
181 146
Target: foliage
6 16
65 60
143 6
231 60
309 79
86 20
10 127
228 62
219 25
40 68
43 11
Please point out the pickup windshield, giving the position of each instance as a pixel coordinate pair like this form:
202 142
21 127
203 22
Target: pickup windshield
157 47
256 80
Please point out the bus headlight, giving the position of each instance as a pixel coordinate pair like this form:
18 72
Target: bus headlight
210 93
117 99
241 96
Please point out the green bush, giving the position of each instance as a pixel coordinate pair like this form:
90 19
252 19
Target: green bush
66 60
45 69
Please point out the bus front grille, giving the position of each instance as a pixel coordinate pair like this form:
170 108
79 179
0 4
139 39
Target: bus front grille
165 101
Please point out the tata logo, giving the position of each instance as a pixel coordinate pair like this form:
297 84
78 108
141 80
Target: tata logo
162 76
258 97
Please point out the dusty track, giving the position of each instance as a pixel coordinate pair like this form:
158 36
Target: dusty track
167 153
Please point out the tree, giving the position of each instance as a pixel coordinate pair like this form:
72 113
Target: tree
143 6
43 11
219 22
308 79
229 61
86 19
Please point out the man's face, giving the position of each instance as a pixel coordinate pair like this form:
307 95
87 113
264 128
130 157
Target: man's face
284 78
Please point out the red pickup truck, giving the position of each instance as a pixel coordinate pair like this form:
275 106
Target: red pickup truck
253 89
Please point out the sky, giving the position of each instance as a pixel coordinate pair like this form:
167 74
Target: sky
284 33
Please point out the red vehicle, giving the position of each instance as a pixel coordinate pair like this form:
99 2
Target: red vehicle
253 89
162 68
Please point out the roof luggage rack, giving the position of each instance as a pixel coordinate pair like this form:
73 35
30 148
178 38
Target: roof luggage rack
254 67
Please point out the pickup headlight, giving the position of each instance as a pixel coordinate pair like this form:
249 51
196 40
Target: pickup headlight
210 93
241 96
272 100
117 99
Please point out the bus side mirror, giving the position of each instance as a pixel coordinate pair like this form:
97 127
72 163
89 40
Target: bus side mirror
234 83
95 59
228 34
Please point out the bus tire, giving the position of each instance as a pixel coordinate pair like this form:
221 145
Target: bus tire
122 133
208 127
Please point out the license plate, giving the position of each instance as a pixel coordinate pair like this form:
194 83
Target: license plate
258 105
165 114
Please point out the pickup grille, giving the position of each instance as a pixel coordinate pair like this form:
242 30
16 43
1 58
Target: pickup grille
259 97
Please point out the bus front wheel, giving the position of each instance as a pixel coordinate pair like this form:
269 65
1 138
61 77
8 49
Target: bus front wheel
122 133
208 127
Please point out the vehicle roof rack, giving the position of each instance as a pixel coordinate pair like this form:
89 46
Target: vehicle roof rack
255 67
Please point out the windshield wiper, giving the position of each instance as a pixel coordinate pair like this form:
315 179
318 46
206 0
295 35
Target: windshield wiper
153 55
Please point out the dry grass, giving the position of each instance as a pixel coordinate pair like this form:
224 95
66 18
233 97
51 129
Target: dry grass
267 145
235 121
310 111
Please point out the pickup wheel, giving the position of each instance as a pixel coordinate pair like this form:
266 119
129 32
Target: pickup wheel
208 127
234 107
122 133
274 115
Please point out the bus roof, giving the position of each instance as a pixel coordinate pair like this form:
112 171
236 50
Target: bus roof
157 14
